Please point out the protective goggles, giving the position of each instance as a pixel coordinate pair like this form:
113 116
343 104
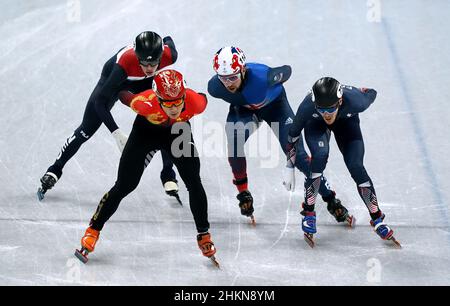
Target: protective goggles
171 103
329 110
152 63
229 78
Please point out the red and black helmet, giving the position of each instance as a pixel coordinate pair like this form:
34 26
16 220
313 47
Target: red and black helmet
169 85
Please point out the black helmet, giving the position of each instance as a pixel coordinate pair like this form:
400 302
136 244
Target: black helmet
326 92
148 47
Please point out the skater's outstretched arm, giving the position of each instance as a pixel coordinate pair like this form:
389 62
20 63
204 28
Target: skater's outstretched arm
305 111
201 102
215 88
126 97
170 54
110 88
366 97
355 101
279 75
118 76
144 103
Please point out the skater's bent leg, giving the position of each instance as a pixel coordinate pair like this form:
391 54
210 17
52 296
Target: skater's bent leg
364 184
369 197
167 173
111 200
303 163
189 170
312 184
239 168
240 125
106 208
131 168
325 190
280 118
317 137
70 148
149 157
351 145
90 124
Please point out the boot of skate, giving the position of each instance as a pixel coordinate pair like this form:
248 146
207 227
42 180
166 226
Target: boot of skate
206 245
89 239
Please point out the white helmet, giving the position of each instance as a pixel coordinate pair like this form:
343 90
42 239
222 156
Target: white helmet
229 60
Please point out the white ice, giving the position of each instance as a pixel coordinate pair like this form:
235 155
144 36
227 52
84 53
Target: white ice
51 56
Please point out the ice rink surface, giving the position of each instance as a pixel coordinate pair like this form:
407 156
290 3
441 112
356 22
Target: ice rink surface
51 55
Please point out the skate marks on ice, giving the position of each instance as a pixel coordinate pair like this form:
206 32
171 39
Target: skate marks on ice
275 253
246 256
283 232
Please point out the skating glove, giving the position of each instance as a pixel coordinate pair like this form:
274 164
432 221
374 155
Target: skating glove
121 139
289 178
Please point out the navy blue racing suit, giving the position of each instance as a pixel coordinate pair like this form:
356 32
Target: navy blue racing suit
347 132
262 97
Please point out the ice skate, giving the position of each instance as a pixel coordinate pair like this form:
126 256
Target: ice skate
48 181
384 231
207 247
87 244
246 205
171 189
309 226
339 212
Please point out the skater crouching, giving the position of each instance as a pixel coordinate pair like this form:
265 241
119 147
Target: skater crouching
168 104
256 93
132 68
332 107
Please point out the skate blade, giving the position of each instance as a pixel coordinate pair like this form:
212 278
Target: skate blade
351 221
175 195
80 255
252 220
214 261
40 194
309 239
396 243
179 200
